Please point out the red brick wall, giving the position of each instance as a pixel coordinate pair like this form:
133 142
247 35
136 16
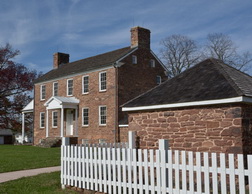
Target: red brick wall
212 129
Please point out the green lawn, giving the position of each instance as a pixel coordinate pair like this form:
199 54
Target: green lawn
48 183
13 157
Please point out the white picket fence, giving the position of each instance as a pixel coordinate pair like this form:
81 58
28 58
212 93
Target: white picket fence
121 170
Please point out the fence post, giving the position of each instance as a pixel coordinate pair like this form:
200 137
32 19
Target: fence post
65 141
163 145
132 139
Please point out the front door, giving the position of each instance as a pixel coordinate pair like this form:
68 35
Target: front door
69 122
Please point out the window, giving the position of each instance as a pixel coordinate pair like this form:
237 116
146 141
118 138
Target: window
85 113
102 115
55 88
42 120
152 63
70 87
134 59
55 118
102 81
42 92
85 82
158 79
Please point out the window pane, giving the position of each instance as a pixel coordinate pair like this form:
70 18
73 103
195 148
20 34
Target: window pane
55 89
42 119
69 87
55 119
85 84
85 116
103 81
103 115
43 92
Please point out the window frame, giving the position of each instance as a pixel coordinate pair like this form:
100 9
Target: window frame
68 87
100 81
54 126
158 79
134 59
83 117
152 63
40 120
54 88
42 95
83 84
100 115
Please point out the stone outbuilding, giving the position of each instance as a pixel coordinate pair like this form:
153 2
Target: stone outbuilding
206 108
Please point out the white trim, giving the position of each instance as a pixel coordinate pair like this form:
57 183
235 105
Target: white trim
76 74
40 120
83 117
100 90
54 88
100 115
187 104
43 85
83 84
68 88
124 125
55 126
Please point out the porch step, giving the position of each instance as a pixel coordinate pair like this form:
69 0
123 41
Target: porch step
50 142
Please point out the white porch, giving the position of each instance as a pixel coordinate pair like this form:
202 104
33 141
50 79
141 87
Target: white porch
69 106
28 109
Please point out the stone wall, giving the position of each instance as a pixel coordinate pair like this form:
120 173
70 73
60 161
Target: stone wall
211 129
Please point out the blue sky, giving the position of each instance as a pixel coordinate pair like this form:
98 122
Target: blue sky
84 28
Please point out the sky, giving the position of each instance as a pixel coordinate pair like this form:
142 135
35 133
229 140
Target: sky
84 28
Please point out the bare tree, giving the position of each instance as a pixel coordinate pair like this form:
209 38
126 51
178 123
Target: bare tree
221 46
179 53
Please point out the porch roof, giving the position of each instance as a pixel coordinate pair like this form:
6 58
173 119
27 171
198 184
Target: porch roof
28 108
56 102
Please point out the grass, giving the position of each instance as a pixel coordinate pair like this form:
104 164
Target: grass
22 157
48 183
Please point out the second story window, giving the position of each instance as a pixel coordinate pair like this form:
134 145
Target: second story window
69 87
152 63
55 118
102 81
55 88
134 59
85 83
158 79
42 92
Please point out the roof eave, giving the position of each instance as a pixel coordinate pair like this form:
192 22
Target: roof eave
239 99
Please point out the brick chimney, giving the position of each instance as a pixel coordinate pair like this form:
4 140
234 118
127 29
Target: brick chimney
140 37
59 59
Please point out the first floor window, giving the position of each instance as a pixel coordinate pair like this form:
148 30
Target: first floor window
102 81
70 87
158 79
102 115
85 115
42 92
42 120
55 118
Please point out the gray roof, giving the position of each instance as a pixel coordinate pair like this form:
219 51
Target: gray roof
208 80
87 64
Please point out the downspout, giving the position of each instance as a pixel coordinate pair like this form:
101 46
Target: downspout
116 104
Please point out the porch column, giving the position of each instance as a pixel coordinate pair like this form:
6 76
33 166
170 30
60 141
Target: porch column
76 122
47 123
62 122
23 126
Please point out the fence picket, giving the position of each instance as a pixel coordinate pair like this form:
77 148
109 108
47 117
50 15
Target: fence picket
142 171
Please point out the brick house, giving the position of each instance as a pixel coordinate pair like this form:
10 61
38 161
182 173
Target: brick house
83 98
206 108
